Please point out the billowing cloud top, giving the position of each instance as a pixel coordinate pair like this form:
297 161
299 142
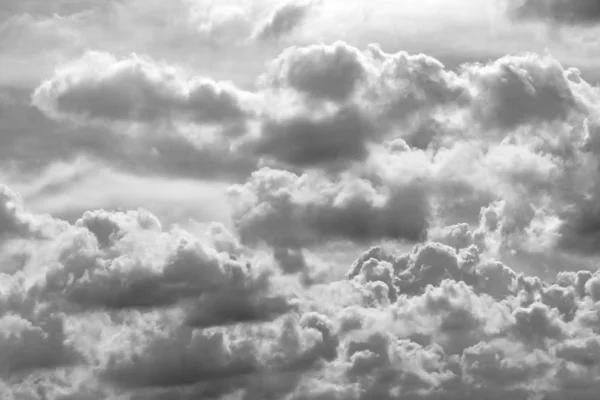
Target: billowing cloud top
287 212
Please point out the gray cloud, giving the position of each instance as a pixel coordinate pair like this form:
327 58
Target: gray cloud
291 211
98 276
436 322
304 142
101 87
580 12
517 90
491 169
32 140
30 343
325 72
283 19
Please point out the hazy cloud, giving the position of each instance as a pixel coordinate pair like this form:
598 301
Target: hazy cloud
283 19
569 12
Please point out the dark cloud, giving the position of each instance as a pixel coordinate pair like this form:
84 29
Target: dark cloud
223 291
35 343
224 364
130 112
31 142
305 142
571 12
490 170
518 90
101 87
188 317
291 211
283 19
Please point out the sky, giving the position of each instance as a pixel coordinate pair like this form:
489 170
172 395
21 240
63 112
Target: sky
299 200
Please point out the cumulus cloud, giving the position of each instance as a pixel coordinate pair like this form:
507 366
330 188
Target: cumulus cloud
465 187
283 19
166 143
30 343
116 303
95 273
286 210
387 122
101 87
328 72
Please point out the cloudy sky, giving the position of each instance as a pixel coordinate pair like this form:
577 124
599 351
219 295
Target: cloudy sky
299 200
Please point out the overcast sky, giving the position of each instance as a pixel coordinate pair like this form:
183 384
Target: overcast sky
299 200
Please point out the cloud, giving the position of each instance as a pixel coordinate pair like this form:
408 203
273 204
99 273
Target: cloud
155 312
517 90
101 87
291 211
33 143
341 100
302 141
471 191
27 345
327 72
13 221
284 19
585 12
97 275
370 115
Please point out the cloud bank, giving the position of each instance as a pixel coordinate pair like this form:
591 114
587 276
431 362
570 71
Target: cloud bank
117 305
465 198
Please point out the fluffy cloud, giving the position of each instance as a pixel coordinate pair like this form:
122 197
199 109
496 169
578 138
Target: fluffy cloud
101 87
466 187
283 209
388 123
116 304
114 268
30 343
190 142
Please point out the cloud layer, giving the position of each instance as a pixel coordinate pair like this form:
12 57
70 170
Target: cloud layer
359 144
115 304
464 197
